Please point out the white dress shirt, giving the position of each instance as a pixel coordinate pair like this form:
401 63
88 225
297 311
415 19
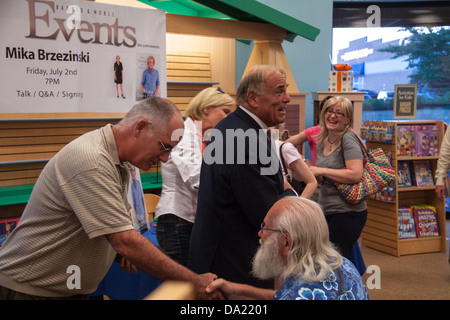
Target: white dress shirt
181 176
443 165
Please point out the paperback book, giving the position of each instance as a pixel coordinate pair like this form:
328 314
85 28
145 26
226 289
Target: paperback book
426 221
404 175
422 173
406 223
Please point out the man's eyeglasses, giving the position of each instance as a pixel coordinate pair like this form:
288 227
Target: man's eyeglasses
263 227
336 113
164 147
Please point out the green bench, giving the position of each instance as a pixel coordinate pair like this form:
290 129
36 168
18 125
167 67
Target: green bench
20 194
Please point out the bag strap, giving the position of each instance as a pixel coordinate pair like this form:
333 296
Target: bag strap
363 147
288 176
366 154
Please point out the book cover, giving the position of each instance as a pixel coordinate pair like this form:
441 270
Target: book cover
406 223
406 140
423 138
422 173
434 141
404 174
426 221
6 227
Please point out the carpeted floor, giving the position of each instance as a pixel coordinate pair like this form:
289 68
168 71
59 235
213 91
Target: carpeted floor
410 277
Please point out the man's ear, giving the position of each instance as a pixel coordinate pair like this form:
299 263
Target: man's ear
287 244
251 98
139 126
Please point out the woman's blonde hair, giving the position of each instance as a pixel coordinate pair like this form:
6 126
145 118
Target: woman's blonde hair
347 109
209 97
312 257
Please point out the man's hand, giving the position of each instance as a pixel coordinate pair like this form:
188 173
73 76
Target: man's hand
203 281
440 192
222 285
128 266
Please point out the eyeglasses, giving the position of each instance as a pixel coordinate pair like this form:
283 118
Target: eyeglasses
263 227
336 113
164 147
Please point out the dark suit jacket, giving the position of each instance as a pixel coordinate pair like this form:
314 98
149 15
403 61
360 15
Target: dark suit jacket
234 197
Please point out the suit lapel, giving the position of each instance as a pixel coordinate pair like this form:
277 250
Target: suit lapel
254 125
247 118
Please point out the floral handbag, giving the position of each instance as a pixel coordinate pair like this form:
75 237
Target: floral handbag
377 175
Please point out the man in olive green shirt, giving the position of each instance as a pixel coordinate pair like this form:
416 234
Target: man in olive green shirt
76 220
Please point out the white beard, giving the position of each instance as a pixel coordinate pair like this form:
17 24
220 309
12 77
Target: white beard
267 263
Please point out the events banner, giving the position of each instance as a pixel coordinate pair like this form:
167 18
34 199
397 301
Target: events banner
60 55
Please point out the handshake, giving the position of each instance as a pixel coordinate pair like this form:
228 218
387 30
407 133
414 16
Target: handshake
222 289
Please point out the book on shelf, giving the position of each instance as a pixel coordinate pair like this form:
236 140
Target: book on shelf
406 143
423 138
426 221
423 175
418 140
377 131
404 174
406 223
6 227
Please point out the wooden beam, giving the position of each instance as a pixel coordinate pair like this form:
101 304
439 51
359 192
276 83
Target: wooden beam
199 26
271 52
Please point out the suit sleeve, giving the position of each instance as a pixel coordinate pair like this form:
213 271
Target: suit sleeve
255 193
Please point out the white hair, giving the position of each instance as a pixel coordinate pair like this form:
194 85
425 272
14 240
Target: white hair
312 256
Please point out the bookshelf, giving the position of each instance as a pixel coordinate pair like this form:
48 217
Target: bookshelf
382 227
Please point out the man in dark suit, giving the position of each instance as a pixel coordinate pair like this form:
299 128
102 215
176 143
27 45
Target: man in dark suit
240 180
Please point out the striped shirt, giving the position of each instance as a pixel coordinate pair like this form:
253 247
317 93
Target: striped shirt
80 196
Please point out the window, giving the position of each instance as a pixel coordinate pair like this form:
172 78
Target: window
410 43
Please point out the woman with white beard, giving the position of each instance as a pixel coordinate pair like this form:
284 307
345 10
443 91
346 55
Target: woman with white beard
296 251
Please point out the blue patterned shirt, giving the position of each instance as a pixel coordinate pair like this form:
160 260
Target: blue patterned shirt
344 284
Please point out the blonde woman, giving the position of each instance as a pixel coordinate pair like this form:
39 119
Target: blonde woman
339 159
181 173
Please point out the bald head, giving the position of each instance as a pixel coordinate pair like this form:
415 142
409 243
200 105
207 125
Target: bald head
255 80
158 111
148 132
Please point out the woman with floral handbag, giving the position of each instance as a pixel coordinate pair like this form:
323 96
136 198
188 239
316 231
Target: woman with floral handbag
336 142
